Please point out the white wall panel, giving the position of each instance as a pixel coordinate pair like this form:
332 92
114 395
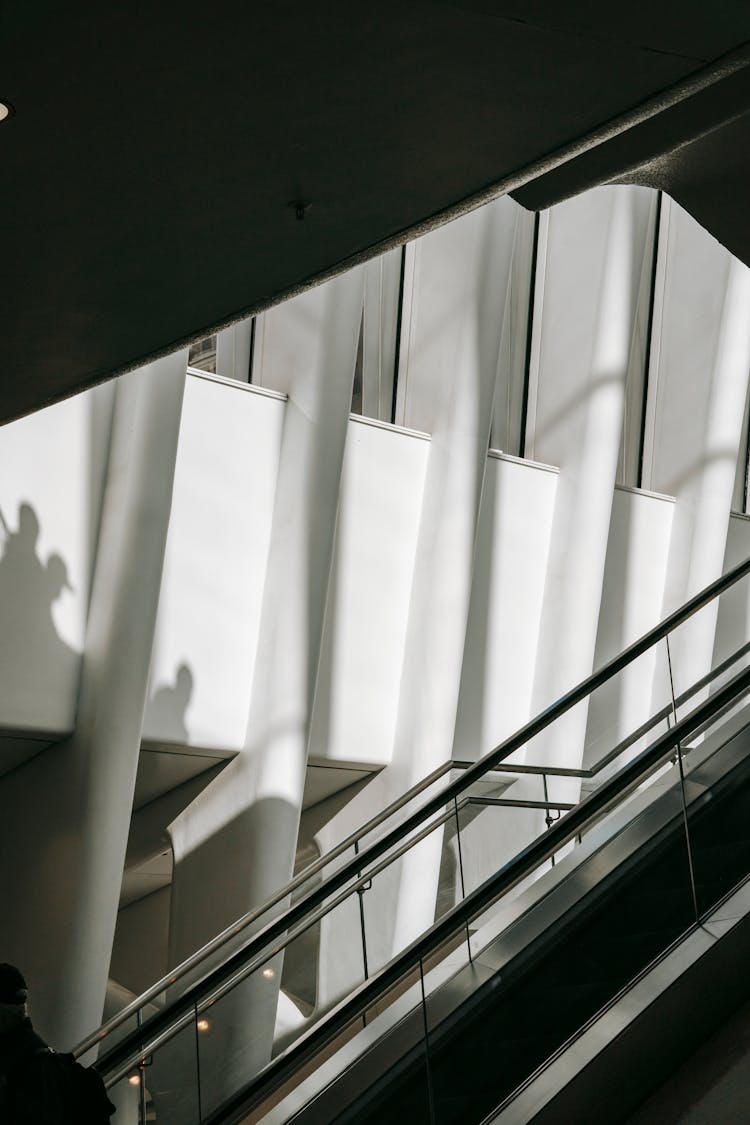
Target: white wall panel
509 393
51 475
506 604
700 362
379 332
733 623
215 565
357 693
635 572
593 257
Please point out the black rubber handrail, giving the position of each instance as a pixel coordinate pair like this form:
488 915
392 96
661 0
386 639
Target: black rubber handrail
576 822
160 1021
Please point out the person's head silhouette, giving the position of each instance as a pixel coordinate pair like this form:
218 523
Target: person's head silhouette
37 1084
184 684
12 985
57 573
13 993
28 524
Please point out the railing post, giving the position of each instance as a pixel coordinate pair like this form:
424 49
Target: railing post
428 1067
142 1084
461 871
681 766
197 1062
549 820
363 930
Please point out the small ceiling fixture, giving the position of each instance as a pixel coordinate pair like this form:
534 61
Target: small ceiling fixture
6 110
300 207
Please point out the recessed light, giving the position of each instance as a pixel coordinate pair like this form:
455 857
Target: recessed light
6 110
134 1080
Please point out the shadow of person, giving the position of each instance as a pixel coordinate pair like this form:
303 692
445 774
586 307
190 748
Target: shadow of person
38 669
165 714
20 545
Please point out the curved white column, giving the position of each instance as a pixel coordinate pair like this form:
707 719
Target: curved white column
590 274
68 811
455 296
236 843
700 364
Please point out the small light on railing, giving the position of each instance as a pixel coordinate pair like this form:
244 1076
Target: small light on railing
203 1024
134 1080
268 973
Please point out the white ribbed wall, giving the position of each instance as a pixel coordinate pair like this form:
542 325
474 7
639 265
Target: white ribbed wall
361 595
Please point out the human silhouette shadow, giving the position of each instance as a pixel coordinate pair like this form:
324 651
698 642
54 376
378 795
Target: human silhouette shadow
38 669
165 714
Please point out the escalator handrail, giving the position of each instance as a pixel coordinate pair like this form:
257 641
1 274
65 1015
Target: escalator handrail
316 895
577 822
246 920
350 841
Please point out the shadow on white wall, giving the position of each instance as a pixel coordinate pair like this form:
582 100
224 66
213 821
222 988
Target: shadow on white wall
167 708
37 660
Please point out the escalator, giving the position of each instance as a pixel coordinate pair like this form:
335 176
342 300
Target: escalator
618 864
520 1017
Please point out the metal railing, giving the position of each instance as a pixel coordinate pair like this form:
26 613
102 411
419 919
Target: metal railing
412 959
162 1024
190 964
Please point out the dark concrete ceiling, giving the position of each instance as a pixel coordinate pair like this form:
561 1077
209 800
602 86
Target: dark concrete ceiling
155 148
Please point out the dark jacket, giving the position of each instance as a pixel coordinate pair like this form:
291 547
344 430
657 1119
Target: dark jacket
28 1086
